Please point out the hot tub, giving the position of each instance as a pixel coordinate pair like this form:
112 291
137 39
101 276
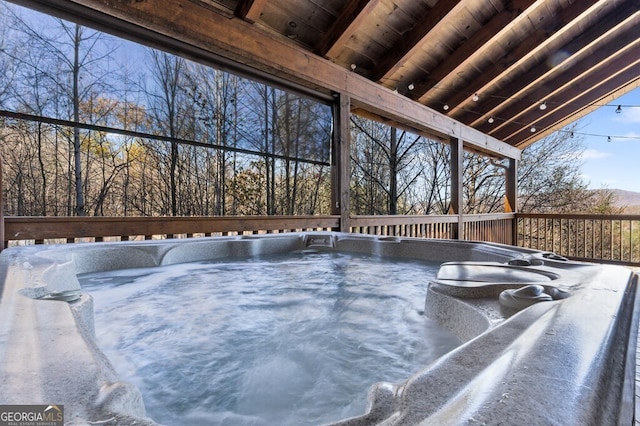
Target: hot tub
546 340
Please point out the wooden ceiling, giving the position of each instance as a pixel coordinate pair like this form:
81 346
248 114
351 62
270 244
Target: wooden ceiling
475 60
488 64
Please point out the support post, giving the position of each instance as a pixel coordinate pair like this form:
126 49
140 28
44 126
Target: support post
2 246
511 198
456 164
340 161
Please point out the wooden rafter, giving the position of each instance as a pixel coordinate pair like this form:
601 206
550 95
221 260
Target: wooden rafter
516 58
250 10
593 51
574 115
588 91
403 48
476 45
596 61
526 84
345 26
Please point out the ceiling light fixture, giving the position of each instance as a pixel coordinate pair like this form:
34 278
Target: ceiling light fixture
446 107
353 67
533 129
411 86
475 97
490 120
543 106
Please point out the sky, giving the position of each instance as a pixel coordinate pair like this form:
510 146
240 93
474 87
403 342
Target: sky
615 164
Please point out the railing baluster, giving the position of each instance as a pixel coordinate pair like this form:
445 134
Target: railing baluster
600 237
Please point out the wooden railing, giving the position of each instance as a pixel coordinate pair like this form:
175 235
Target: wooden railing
41 230
497 228
604 238
427 226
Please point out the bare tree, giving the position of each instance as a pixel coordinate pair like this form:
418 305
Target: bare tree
391 164
433 196
65 57
550 179
8 50
167 100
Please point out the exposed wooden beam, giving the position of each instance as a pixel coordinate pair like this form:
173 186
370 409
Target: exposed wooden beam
375 117
602 60
576 115
588 92
405 46
250 10
237 40
536 43
520 86
476 45
345 26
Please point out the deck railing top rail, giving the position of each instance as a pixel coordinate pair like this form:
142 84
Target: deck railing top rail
579 216
608 238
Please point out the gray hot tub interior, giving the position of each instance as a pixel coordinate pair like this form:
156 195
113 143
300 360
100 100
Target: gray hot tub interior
548 341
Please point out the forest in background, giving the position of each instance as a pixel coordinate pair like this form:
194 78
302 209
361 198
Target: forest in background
161 135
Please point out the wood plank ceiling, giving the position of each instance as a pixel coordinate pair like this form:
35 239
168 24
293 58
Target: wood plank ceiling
501 67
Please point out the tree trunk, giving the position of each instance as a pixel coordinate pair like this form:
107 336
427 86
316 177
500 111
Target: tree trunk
393 172
79 210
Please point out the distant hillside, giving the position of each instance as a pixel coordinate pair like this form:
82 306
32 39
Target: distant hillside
628 199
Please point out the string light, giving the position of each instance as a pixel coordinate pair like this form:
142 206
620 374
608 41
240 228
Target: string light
609 138
476 97
533 129
542 105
